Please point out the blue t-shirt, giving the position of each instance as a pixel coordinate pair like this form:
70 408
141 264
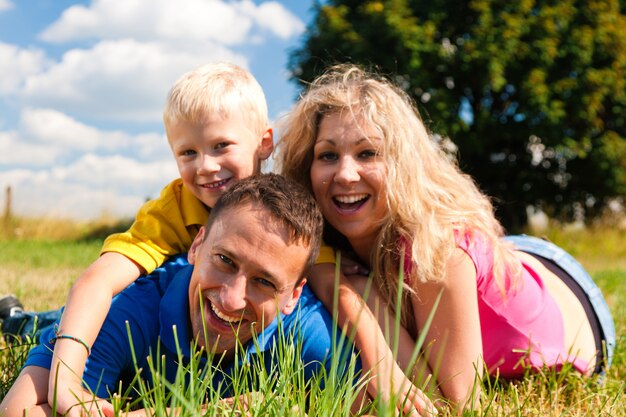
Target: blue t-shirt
156 307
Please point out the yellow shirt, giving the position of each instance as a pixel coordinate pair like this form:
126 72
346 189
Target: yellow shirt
167 226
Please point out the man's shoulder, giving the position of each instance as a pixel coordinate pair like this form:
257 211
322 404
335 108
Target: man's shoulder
162 277
141 302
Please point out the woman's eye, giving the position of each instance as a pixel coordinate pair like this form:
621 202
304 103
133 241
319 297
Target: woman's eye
327 156
368 154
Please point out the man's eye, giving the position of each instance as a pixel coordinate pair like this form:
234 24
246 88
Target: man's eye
266 283
226 260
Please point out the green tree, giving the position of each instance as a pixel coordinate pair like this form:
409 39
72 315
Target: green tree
531 92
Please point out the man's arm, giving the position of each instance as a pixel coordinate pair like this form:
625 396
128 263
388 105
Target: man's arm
29 396
86 309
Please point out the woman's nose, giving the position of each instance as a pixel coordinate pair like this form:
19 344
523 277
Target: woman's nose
347 171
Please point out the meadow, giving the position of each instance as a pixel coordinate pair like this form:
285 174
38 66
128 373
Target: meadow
39 260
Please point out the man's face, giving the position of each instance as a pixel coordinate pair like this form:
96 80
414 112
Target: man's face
244 271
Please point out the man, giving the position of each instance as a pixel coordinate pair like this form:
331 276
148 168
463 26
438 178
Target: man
248 263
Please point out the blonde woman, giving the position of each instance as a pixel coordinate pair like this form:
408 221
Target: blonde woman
393 200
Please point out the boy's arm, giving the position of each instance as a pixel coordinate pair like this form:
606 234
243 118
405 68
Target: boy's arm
87 306
163 227
376 356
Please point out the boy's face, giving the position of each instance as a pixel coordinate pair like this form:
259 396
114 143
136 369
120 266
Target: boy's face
245 270
216 152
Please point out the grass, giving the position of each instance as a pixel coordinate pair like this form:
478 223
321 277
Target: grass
41 271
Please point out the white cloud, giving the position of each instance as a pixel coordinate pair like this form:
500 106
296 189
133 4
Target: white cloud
203 19
87 188
23 63
55 128
34 195
151 147
274 17
48 137
5 5
119 80
15 150
116 171
224 22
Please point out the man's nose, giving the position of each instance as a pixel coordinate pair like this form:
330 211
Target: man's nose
233 294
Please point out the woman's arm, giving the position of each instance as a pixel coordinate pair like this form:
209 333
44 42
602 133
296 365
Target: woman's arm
87 306
453 344
376 356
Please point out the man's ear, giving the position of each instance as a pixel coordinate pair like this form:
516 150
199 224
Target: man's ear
267 144
195 247
293 300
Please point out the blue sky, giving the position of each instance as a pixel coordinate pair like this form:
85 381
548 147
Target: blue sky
82 85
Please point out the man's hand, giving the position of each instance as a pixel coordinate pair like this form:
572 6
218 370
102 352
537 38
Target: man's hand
73 401
94 407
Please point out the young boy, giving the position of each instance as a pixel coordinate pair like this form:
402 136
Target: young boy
217 127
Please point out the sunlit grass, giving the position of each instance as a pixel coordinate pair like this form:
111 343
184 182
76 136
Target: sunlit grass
40 273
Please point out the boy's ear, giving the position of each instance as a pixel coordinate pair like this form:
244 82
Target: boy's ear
267 144
293 300
195 247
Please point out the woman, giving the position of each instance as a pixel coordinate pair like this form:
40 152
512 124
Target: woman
394 200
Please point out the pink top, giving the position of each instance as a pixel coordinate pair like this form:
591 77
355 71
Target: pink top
525 325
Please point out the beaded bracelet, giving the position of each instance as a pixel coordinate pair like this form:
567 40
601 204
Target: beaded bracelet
57 336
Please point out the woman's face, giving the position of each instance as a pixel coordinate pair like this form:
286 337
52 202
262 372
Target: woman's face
347 176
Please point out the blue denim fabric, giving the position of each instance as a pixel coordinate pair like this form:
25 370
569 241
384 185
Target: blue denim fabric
28 324
545 249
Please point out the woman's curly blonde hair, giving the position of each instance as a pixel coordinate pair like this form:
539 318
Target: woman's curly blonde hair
428 197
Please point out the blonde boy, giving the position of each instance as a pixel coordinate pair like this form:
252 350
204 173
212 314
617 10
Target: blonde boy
217 127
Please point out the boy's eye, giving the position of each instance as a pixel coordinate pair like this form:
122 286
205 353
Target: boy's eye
188 152
221 145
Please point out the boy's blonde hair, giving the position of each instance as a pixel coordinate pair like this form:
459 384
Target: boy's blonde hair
218 88
428 197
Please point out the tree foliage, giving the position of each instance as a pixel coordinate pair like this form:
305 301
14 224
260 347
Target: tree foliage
532 92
